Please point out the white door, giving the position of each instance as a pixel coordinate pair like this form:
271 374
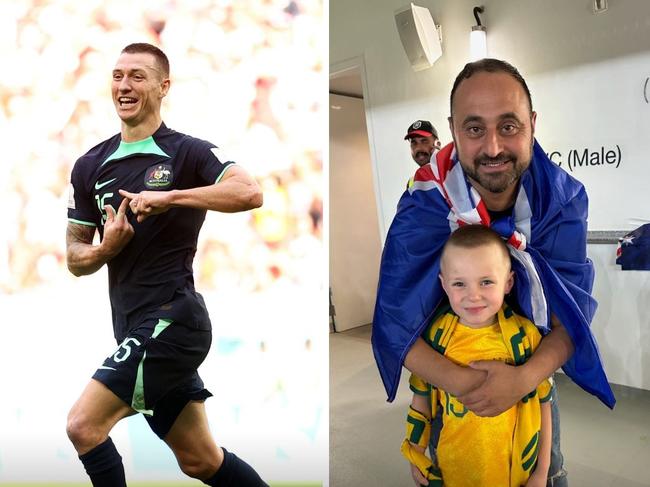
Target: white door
355 244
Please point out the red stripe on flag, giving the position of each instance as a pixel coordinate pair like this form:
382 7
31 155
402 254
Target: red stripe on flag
424 173
514 241
443 160
483 213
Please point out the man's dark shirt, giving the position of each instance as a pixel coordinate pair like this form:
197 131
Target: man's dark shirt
152 276
497 215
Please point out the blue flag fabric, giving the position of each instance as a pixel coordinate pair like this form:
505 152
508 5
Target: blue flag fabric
547 233
633 253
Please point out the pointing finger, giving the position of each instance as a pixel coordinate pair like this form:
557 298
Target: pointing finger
110 213
127 194
121 211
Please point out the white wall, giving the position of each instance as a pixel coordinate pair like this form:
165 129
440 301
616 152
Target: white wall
622 321
587 75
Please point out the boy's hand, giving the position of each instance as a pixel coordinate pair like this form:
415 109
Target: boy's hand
418 478
536 479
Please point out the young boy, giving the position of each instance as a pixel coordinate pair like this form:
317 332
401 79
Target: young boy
509 450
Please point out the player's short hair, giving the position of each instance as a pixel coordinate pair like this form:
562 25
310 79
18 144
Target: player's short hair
143 47
474 236
489 65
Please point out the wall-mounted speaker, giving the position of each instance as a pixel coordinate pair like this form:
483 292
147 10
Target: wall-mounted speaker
419 35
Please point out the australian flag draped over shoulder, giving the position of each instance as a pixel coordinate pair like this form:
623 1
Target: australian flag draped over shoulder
547 236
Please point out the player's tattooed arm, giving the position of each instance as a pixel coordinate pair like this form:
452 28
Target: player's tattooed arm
79 249
85 258
237 191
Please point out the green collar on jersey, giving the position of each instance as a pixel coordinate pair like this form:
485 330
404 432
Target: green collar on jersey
144 146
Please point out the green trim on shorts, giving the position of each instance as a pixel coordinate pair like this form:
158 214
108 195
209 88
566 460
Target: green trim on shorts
160 327
81 222
137 402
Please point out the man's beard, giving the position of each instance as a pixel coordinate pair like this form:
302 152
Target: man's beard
422 157
496 182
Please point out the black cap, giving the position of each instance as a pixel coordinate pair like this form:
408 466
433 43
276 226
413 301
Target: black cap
421 128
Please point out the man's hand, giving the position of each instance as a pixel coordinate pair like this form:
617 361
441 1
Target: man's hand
82 256
147 203
438 370
502 389
506 384
117 229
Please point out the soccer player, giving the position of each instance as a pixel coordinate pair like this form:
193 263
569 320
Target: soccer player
513 448
146 190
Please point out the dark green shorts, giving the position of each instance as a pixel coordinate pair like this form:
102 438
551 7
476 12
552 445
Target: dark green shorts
154 370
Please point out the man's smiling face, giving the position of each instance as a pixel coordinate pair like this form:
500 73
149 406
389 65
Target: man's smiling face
493 128
138 87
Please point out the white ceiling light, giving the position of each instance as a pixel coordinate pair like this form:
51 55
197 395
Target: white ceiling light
478 38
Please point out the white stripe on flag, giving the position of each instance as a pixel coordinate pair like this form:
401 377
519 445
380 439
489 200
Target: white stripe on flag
421 186
538 302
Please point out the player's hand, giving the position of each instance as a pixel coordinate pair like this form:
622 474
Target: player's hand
502 389
418 478
147 203
117 229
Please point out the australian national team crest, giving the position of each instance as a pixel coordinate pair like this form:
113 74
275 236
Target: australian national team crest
159 176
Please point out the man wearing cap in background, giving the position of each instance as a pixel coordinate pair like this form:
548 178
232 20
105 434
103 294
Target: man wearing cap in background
424 140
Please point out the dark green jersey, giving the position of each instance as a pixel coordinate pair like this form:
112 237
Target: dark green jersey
152 275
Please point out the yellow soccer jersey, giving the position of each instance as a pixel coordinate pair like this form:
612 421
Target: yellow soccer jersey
475 451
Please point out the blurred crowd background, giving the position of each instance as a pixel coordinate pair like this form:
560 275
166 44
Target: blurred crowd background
246 75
